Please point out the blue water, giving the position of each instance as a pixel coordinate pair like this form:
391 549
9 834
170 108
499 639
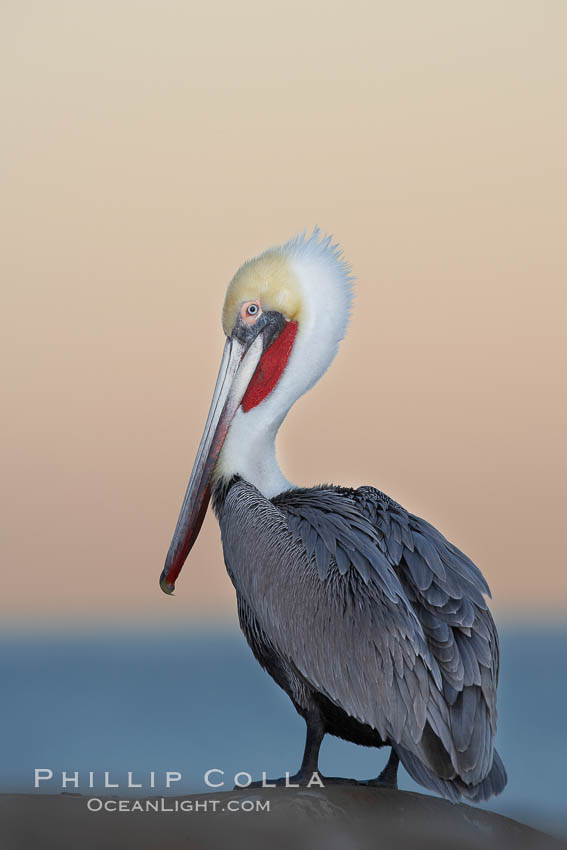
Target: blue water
195 701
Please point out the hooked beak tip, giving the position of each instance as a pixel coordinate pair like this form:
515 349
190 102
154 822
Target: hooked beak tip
166 585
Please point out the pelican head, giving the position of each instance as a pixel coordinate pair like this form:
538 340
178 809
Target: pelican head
284 315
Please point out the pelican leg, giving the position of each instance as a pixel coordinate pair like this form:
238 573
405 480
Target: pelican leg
309 773
314 735
313 738
389 776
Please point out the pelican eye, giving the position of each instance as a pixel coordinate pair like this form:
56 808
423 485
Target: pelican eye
250 312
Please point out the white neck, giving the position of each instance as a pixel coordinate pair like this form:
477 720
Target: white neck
249 449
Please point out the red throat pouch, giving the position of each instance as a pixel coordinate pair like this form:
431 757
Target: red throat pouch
270 368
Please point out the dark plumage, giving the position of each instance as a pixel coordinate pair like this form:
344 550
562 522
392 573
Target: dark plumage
374 625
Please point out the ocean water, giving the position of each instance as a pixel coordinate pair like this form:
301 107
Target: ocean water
196 701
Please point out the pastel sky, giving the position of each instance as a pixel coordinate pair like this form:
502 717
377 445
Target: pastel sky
148 148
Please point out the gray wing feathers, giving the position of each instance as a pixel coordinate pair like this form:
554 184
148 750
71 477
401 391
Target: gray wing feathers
399 633
446 590
364 649
331 527
453 790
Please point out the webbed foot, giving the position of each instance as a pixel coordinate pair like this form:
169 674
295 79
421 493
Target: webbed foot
389 776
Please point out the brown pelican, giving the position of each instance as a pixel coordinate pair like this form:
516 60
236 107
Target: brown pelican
373 623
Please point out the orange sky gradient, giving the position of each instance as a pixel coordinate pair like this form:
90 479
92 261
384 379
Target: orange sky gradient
148 148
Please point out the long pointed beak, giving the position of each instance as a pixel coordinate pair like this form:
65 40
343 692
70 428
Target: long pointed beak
237 368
